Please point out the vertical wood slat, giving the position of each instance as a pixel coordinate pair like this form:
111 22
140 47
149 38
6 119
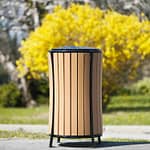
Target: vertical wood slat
50 93
100 82
80 94
61 94
94 93
67 93
74 94
98 92
56 81
86 94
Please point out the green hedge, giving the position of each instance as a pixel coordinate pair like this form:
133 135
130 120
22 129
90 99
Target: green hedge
10 96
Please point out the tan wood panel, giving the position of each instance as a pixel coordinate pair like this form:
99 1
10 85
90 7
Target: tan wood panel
67 93
80 94
94 93
50 93
56 81
101 119
98 92
61 94
74 94
86 94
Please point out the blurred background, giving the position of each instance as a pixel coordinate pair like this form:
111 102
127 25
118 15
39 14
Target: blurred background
130 104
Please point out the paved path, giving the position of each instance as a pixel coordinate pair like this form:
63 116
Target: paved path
25 144
129 132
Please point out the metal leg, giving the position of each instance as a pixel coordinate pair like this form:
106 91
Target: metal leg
92 139
58 140
53 108
99 139
51 141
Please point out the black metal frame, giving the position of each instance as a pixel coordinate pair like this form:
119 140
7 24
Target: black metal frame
92 136
52 129
74 49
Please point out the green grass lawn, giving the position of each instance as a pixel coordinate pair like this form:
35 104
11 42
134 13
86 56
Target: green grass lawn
37 115
128 110
123 110
28 135
23 134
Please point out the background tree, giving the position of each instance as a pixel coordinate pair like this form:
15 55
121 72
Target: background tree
18 18
123 39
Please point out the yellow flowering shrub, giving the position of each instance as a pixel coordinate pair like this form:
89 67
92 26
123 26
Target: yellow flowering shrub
124 40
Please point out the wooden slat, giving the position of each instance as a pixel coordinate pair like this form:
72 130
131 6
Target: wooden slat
100 81
61 94
74 94
56 80
67 93
98 92
50 93
80 94
94 93
86 94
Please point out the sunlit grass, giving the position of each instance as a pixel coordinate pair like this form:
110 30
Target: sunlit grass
128 110
37 115
23 134
28 135
123 110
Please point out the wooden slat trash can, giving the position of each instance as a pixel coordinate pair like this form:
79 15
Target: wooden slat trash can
75 81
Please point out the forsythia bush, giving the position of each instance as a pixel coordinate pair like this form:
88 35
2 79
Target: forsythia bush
124 40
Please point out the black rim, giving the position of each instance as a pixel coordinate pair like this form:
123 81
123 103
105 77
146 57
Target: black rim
76 136
74 49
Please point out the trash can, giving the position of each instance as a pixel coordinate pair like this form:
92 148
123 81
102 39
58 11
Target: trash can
75 81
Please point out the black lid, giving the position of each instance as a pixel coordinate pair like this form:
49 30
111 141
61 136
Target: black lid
74 49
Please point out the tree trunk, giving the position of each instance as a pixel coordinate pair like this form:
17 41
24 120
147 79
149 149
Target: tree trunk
27 98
